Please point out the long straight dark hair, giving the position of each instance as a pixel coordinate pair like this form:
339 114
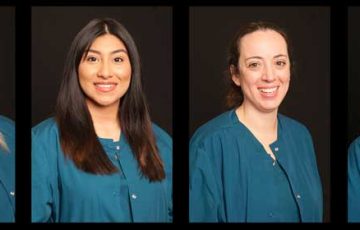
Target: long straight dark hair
78 139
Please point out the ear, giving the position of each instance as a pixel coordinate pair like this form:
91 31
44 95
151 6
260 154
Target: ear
235 76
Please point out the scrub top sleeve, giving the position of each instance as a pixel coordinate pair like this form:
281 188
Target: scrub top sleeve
170 208
41 195
203 202
314 166
170 192
354 183
312 149
164 142
169 178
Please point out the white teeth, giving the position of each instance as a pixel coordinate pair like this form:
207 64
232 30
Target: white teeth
104 85
268 90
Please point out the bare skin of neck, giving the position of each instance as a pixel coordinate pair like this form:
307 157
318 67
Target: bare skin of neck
105 120
262 125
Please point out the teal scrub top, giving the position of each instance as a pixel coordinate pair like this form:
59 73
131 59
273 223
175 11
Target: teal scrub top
7 171
232 179
354 181
63 193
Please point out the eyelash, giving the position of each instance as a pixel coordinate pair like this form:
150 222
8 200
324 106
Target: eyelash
281 63
91 59
119 59
278 63
94 59
254 65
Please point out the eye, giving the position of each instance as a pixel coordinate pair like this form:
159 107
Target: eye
118 59
91 59
280 63
254 65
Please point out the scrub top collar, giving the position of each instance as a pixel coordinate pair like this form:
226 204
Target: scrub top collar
259 147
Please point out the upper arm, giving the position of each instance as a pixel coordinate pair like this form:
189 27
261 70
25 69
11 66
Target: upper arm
203 193
41 194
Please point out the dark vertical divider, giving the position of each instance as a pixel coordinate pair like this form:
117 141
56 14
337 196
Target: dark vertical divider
181 112
23 111
338 113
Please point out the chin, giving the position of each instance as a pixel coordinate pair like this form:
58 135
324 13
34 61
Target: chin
270 108
102 103
107 103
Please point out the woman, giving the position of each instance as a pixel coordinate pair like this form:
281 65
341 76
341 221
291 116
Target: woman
101 159
354 181
7 170
252 164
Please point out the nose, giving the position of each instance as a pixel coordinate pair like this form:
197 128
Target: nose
104 70
268 73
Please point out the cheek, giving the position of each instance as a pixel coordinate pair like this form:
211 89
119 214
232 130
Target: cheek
124 73
85 73
284 76
250 78
85 80
285 80
84 84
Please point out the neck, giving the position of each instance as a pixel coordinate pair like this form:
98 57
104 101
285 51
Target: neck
260 123
105 119
263 125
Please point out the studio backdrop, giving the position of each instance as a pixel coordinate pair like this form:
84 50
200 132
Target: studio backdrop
354 74
54 28
7 62
308 98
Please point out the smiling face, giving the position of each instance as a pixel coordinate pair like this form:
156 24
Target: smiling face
105 72
263 70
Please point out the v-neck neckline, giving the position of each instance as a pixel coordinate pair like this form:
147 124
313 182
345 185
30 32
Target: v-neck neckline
259 146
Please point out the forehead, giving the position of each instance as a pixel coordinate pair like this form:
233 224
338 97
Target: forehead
107 42
262 43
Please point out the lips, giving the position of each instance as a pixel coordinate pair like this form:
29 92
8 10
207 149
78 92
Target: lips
269 91
105 86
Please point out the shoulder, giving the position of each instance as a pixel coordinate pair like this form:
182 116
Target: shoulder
45 128
355 143
291 123
220 124
7 126
164 143
354 149
161 135
293 126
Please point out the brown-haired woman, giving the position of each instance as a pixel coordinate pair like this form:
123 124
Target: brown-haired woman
252 164
101 159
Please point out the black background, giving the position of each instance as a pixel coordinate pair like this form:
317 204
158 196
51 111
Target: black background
7 62
308 98
353 74
54 28
180 86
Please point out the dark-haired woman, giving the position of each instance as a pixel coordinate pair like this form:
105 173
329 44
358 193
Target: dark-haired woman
101 159
252 164
7 170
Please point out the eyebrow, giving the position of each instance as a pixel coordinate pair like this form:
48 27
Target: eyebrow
258 57
112 52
